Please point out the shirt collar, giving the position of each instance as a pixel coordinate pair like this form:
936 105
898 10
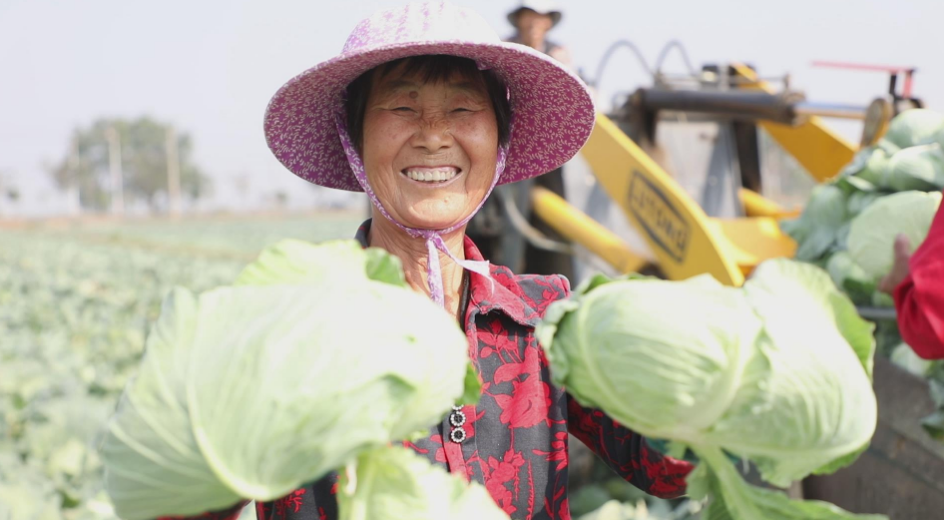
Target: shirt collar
501 293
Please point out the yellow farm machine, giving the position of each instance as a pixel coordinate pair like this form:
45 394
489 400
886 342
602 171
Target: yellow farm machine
686 162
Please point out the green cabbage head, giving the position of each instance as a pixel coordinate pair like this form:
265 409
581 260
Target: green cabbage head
913 127
778 372
250 391
869 164
872 233
819 227
394 483
916 168
849 277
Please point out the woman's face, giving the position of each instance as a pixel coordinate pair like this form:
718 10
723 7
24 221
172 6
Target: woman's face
430 149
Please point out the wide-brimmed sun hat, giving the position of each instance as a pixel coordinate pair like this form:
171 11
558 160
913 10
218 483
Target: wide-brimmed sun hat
552 112
547 7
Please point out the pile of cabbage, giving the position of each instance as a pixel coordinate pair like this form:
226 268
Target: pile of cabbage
724 371
250 391
849 226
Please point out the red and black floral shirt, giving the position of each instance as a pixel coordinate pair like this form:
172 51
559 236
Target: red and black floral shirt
516 443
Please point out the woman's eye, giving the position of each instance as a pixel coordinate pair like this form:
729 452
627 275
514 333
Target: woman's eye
461 109
402 109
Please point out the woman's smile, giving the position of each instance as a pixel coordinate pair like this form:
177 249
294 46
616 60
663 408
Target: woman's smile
432 176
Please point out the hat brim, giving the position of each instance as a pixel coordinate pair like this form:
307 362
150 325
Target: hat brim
552 111
513 16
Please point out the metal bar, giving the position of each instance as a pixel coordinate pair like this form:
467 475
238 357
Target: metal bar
831 110
860 66
748 105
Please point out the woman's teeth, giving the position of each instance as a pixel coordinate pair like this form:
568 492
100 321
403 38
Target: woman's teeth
431 175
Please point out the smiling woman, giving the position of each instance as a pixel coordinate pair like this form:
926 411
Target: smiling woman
426 110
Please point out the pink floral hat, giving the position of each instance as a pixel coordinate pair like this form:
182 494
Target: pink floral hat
552 112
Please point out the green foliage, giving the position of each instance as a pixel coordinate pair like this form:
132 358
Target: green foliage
394 483
143 161
914 127
75 305
73 317
642 510
818 229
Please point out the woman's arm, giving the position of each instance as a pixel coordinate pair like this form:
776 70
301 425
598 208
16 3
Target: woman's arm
914 323
627 453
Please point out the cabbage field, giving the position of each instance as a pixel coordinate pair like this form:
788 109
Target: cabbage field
76 301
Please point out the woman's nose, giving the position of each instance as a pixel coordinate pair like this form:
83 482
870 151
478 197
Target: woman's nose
433 134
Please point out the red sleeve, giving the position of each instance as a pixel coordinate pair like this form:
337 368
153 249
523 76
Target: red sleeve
919 299
627 453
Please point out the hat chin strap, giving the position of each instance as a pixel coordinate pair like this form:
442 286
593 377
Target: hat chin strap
433 237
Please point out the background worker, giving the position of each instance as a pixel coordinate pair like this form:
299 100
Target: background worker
917 283
491 228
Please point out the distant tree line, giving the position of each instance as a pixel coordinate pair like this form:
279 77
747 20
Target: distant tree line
114 162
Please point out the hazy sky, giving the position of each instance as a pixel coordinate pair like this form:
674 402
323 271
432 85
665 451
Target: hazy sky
210 67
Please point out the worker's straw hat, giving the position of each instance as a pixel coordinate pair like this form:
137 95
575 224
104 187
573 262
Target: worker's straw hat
552 112
547 7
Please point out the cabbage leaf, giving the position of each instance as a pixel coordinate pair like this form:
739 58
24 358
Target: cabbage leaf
394 483
818 227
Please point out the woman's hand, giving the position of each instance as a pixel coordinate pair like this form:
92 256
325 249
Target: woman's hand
900 268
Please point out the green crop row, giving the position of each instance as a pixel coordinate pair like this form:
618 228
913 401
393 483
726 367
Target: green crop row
75 308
